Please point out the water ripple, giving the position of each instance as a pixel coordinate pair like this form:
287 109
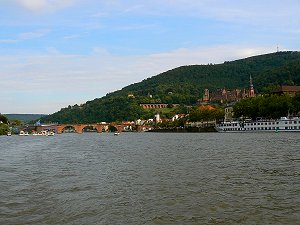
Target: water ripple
147 178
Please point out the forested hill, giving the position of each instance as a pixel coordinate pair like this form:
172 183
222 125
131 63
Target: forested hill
185 85
24 117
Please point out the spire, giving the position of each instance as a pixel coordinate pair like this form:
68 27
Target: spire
251 82
251 91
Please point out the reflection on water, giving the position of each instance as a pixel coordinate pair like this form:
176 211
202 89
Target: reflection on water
150 178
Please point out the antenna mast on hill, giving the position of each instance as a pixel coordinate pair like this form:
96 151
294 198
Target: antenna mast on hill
277 48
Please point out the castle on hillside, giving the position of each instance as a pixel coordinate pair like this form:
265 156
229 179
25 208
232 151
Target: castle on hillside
224 95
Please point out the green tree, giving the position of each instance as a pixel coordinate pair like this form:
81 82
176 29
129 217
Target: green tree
3 125
270 106
205 114
3 119
296 103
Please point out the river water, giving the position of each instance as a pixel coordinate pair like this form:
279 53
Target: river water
151 178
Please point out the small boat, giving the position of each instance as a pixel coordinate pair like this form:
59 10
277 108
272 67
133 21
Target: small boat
50 133
44 133
117 133
23 133
8 134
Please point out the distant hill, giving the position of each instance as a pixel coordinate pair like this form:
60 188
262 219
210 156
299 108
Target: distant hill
24 117
185 85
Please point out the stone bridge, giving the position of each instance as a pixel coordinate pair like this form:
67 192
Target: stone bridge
59 128
100 127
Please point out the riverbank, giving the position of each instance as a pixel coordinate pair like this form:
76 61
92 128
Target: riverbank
185 130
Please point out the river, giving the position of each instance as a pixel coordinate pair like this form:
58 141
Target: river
151 178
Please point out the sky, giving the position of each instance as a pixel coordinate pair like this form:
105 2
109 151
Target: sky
55 53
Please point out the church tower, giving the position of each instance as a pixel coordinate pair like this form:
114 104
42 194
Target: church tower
206 96
251 91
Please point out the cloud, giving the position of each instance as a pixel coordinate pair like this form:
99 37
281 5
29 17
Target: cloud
246 11
7 41
74 36
26 36
34 34
43 5
213 54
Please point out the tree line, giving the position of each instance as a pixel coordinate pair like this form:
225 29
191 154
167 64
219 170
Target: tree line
268 106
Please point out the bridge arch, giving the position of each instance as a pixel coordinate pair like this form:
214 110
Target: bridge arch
100 127
118 127
61 128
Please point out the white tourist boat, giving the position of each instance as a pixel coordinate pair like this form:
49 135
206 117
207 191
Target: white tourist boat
285 124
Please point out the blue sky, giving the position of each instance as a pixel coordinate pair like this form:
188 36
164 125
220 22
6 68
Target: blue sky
56 53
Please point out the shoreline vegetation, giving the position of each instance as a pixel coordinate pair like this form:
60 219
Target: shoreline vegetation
4 128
